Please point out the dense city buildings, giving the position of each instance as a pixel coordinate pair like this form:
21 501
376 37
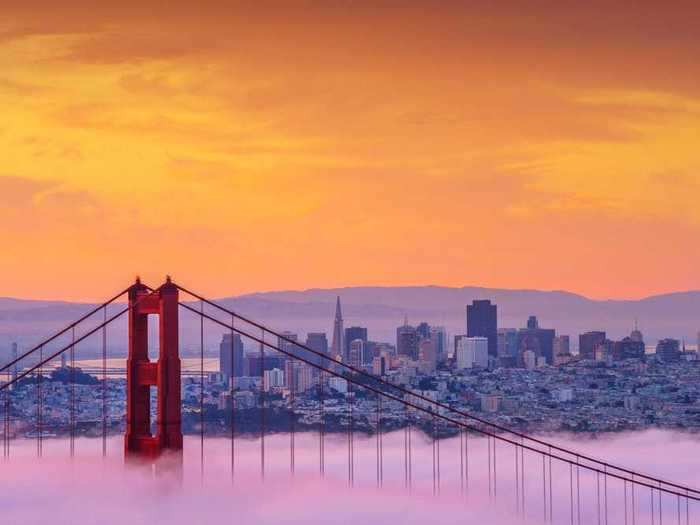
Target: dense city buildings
588 342
482 321
536 382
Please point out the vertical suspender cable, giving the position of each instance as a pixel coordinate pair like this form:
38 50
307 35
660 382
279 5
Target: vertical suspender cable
262 404
544 487
104 382
578 492
72 394
321 426
495 471
461 459
201 389
232 393
39 401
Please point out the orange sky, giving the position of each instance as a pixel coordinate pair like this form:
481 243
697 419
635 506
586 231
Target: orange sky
313 144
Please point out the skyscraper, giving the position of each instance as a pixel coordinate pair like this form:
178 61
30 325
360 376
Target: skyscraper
423 330
355 352
231 355
438 335
507 347
319 342
337 346
472 351
538 340
407 341
668 350
588 342
352 333
482 321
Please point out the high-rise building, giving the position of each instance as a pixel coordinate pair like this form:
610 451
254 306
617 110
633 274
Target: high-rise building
297 376
337 346
423 330
668 350
319 342
482 321
562 345
355 352
538 340
628 348
231 355
438 335
273 379
588 342
255 364
286 344
427 354
407 341
636 334
507 348
352 333
472 352
379 365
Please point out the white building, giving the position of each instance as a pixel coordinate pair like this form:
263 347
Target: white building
530 359
338 384
273 379
472 352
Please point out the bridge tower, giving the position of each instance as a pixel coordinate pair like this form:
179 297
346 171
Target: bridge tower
142 374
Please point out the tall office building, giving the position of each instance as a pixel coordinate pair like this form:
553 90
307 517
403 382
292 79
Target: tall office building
427 354
668 350
438 335
297 376
472 352
355 352
588 342
319 342
423 330
285 343
628 348
562 345
407 341
352 333
507 348
636 334
482 321
231 355
337 346
538 340
273 379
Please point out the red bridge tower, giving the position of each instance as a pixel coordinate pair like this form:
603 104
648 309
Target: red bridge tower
142 374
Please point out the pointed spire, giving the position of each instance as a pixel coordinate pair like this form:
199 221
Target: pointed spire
338 313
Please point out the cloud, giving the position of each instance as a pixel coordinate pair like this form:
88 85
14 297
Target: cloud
91 486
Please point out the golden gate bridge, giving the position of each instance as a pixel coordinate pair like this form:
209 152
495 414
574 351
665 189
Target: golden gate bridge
643 495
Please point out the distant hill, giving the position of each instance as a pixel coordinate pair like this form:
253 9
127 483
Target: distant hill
381 309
